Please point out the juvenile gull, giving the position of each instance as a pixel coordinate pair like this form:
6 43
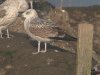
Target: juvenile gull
9 10
39 29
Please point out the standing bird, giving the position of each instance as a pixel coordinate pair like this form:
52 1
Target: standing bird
9 11
40 29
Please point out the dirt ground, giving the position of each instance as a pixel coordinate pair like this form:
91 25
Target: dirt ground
16 58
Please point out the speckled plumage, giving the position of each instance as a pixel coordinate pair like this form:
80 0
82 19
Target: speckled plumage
9 11
39 29
42 28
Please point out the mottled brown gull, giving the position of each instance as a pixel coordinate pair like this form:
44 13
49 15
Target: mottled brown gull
9 10
39 29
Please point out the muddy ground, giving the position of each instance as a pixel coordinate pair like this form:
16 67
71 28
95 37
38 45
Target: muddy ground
16 58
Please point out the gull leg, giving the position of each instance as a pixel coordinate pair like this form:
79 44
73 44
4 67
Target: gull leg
1 34
39 44
31 3
45 48
8 36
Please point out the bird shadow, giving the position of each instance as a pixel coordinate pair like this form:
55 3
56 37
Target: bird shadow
52 47
35 44
67 37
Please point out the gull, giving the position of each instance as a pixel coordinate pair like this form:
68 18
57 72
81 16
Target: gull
40 29
23 5
9 11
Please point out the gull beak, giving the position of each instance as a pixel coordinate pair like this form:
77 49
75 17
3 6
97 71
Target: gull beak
20 14
23 18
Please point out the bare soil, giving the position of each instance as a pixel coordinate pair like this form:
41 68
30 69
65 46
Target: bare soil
16 58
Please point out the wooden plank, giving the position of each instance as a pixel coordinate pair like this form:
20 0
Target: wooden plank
84 49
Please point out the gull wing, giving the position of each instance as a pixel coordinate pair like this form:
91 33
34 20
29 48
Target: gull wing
2 13
42 22
42 28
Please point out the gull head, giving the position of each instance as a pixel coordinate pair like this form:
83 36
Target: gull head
30 13
22 5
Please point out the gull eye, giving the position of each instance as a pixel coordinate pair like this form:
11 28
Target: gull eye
27 12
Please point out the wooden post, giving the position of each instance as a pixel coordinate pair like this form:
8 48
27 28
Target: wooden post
84 49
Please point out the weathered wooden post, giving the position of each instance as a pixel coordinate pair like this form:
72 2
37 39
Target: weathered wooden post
84 49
